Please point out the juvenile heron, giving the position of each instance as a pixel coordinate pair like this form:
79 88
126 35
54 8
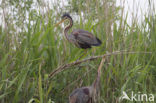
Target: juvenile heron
80 38
87 94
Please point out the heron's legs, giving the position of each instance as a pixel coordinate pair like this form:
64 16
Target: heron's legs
84 53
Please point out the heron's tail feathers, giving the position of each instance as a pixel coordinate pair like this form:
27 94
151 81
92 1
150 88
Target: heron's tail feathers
98 42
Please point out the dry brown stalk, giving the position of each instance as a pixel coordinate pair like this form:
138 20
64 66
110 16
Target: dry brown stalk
65 66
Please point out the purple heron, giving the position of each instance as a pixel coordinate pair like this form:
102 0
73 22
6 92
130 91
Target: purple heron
80 38
88 94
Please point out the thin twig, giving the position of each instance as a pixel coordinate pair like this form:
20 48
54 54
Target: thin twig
65 66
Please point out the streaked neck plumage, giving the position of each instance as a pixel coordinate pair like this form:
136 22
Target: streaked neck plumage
67 28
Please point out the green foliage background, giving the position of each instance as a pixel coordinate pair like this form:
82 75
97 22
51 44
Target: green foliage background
31 47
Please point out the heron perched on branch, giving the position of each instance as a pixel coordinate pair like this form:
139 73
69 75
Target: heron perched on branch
81 38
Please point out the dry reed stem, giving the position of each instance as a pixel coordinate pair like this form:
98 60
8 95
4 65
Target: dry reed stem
65 66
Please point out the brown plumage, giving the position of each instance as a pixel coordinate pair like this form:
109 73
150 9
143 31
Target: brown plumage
80 38
87 94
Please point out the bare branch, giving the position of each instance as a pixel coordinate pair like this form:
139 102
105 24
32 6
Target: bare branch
65 66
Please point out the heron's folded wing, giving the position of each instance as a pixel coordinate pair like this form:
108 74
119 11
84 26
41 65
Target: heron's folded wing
86 37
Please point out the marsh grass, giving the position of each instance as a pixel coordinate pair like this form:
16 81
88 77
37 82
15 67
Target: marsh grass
28 57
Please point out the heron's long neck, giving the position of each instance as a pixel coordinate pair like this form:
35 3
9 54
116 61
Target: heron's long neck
97 80
67 28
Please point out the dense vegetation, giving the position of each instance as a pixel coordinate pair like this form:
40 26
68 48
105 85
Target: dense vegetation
31 48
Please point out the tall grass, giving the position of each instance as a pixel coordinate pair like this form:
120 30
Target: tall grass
27 57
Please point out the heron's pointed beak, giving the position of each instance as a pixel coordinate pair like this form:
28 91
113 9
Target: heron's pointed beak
59 22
